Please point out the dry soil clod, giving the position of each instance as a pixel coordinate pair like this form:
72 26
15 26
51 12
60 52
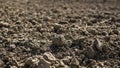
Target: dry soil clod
31 61
59 40
97 45
75 62
90 52
66 60
4 24
49 56
1 63
43 64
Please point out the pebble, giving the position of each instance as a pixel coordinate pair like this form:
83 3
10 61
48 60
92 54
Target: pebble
97 45
3 51
59 40
12 46
104 33
63 22
3 24
13 67
43 64
49 56
1 63
73 66
74 62
89 52
62 65
57 28
69 42
59 56
66 60
31 61
116 32
47 18
72 20
100 64
92 62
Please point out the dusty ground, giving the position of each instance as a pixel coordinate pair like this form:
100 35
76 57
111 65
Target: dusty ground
59 34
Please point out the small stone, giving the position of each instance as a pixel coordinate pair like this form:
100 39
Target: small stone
74 66
66 60
116 32
106 63
55 10
100 64
52 67
118 24
57 28
3 51
59 40
69 42
12 46
104 33
49 56
107 38
85 32
90 53
62 65
47 18
31 61
63 22
82 67
66 66
75 62
1 63
13 67
92 62
43 64
59 56
15 61
38 57
72 20
97 45
3 24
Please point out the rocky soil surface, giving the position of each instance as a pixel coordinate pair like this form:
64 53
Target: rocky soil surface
59 34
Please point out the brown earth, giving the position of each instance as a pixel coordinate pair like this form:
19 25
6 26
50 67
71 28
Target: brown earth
59 34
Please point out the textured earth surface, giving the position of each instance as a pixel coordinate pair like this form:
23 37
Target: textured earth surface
59 34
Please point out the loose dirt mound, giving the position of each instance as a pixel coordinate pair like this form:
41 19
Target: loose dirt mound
59 34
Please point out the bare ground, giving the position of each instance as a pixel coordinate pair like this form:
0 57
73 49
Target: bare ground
59 34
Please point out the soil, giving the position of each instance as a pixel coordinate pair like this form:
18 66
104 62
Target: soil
59 34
